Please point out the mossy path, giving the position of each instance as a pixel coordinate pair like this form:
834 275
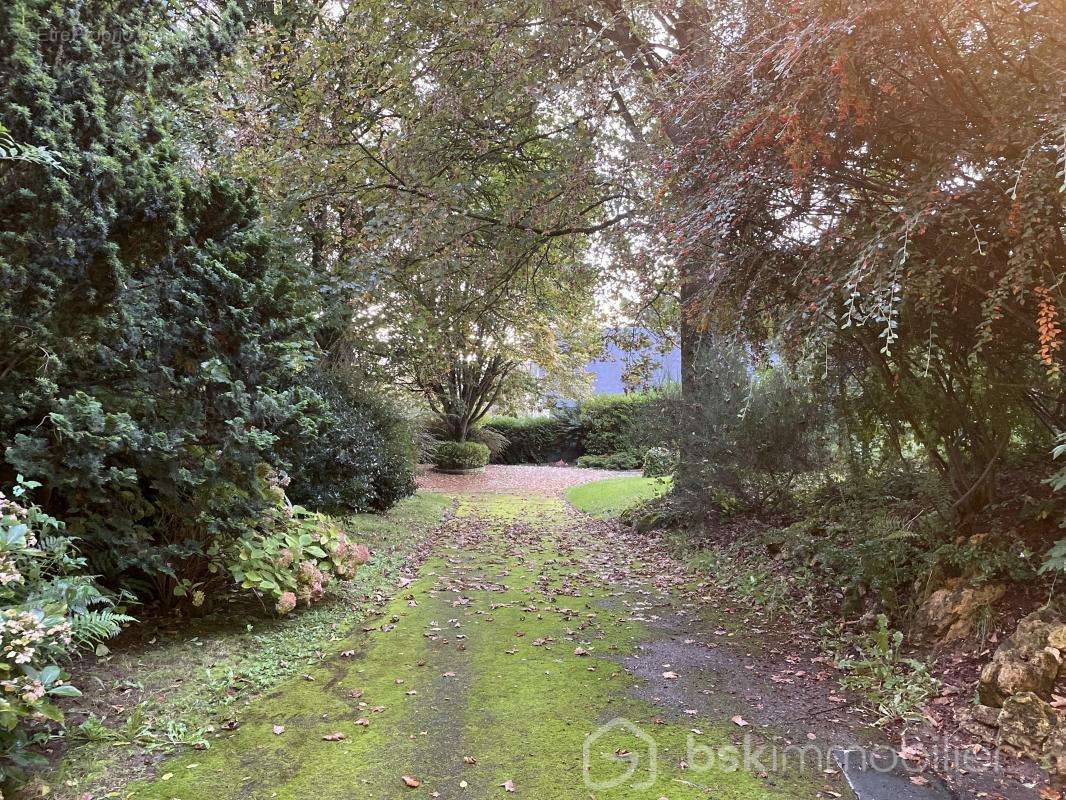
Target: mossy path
491 666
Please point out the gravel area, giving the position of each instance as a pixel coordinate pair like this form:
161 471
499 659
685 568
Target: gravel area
521 479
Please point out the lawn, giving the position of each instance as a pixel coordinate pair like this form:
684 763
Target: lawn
611 497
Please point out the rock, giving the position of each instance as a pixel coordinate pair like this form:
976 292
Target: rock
951 611
986 715
1055 752
979 731
1025 723
1026 661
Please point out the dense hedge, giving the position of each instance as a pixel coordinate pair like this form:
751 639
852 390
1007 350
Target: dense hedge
360 455
612 423
531 440
155 338
606 431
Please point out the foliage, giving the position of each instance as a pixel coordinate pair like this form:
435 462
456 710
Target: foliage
625 460
612 423
461 455
1055 560
155 337
11 150
50 608
875 189
434 187
897 686
359 455
296 562
530 440
659 462
751 431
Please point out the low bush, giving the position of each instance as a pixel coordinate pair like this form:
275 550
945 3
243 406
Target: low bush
50 609
659 462
461 455
627 460
297 562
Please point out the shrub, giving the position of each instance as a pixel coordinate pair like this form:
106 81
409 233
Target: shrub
360 456
153 333
529 440
298 561
659 462
627 460
1055 559
50 608
612 423
898 687
751 433
461 455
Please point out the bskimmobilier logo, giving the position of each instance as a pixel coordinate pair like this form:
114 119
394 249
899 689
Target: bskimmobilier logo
621 762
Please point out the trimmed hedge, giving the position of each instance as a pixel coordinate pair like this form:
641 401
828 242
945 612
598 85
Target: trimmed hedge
628 459
530 440
612 423
605 431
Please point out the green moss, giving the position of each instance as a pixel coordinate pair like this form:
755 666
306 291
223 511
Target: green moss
177 684
485 637
611 497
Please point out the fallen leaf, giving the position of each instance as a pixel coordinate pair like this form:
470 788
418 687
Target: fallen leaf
508 785
279 729
411 781
739 720
336 736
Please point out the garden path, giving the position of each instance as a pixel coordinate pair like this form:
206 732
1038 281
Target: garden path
536 652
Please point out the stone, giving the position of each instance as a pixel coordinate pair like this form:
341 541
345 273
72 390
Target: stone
1055 752
1025 723
1026 661
951 612
986 715
978 730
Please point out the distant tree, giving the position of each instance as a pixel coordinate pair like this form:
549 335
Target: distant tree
426 161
